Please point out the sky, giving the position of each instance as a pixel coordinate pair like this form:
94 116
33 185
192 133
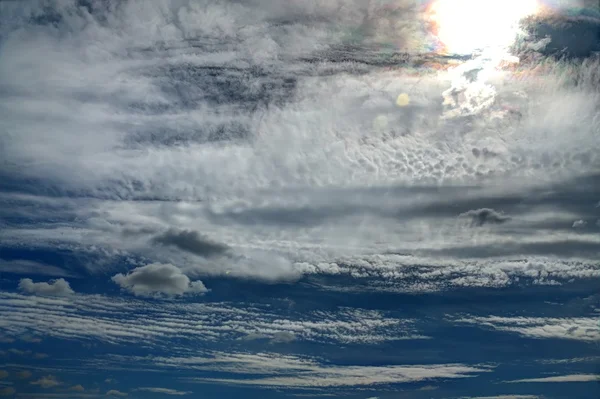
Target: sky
368 199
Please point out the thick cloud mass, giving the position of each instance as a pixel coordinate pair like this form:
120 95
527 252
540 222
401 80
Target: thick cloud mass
158 278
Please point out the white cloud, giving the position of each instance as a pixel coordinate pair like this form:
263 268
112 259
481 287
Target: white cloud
165 391
282 337
296 372
59 287
563 378
116 393
158 278
117 320
576 328
77 388
48 381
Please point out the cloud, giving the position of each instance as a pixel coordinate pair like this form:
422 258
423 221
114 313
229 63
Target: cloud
77 388
165 391
562 378
48 381
3 374
191 241
117 320
157 278
115 393
8 391
201 139
482 216
58 287
283 337
296 372
30 338
24 375
575 328
579 224
503 397
21 266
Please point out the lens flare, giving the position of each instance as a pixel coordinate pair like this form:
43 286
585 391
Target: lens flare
466 26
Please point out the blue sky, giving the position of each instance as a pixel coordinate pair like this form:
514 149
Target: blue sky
223 199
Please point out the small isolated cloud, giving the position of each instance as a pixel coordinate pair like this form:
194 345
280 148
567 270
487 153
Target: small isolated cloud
158 278
279 337
24 375
115 393
191 241
283 337
482 216
48 381
503 397
19 352
165 391
254 337
59 287
77 388
579 224
31 339
8 391
563 378
3 374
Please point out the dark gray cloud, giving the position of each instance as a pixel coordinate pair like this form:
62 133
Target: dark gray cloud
482 216
158 279
58 287
191 241
571 36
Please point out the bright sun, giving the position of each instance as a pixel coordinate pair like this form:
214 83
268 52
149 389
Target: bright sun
464 26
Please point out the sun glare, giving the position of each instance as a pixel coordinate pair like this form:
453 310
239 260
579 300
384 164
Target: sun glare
465 26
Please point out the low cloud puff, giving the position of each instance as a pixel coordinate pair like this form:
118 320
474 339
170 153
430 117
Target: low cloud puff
157 279
115 393
48 381
59 287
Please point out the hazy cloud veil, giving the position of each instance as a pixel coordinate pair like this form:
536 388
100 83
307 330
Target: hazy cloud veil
234 190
